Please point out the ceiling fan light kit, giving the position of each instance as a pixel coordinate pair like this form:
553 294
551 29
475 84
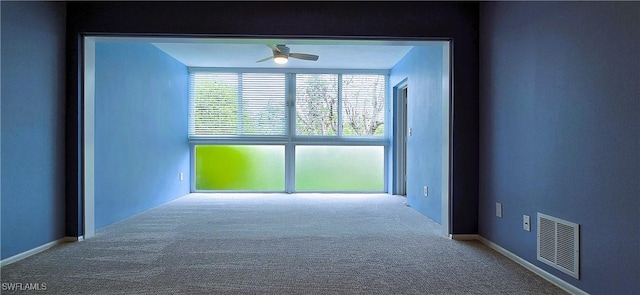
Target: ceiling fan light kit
280 59
281 55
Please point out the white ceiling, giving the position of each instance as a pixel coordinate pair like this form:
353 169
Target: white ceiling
243 53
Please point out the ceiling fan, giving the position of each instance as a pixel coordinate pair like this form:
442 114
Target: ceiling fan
281 54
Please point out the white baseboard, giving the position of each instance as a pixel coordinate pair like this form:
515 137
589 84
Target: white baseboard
36 250
528 265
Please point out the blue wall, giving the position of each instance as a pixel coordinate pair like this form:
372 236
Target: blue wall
560 132
422 67
141 130
33 97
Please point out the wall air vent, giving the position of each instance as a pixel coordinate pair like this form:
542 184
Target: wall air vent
558 244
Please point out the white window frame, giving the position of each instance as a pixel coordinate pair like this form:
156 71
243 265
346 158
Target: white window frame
291 140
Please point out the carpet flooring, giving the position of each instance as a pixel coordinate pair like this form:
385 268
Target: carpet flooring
274 244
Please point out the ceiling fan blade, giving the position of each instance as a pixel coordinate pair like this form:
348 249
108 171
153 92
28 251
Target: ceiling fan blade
304 56
265 59
274 47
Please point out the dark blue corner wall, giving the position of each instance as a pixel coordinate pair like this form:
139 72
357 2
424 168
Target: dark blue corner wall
33 98
560 132
141 121
418 19
422 67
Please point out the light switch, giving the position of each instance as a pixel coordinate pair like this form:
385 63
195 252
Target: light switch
526 222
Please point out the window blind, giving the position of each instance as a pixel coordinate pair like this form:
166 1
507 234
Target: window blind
254 104
263 104
224 104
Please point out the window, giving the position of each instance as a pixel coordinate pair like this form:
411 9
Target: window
339 168
287 131
316 104
213 109
340 105
237 104
239 167
363 105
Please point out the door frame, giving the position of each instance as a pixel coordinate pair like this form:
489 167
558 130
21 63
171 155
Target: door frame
400 138
86 127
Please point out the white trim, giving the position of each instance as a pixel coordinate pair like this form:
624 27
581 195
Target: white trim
446 139
36 250
464 237
399 137
89 83
526 264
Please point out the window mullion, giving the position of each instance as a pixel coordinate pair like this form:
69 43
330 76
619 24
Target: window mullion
290 147
290 93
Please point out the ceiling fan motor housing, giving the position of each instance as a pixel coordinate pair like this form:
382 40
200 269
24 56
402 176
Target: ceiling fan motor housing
284 51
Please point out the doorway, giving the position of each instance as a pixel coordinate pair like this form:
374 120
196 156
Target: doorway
400 138
400 91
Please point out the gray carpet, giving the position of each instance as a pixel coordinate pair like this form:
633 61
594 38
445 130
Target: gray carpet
275 244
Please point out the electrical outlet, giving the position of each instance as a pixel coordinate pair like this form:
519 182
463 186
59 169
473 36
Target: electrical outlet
181 176
526 222
499 209
425 190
